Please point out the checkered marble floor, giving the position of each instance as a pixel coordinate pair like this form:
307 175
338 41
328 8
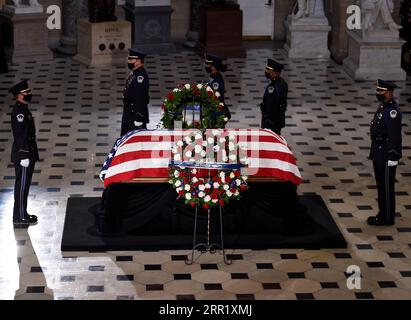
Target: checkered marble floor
78 111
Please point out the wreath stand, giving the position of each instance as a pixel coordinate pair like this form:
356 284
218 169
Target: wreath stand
208 247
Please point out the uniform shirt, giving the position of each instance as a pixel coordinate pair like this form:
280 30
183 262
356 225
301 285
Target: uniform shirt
136 96
386 133
275 102
216 82
24 133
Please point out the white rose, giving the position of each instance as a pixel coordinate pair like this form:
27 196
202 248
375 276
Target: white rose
210 141
200 86
238 182
201 187
237 193
194 180
216 132
231 137
209 89
216 185
229 193
188 154
215 200
225 119
187 86
222 174
204 143
222 140
233 157
201 194
232 175
225 158
180 143
245 178
187 140
198 149
177 157
179 189
189 123
176 90
176 174
217 94
207 199
231 146
174 150
208 186
216 148
194 171
170 181
178 183
203 153
192 160
187 187
198 136
188 196
226 187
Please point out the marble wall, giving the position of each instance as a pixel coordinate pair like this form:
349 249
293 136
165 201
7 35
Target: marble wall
180 20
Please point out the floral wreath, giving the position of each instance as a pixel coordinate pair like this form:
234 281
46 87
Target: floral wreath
195 105
207 184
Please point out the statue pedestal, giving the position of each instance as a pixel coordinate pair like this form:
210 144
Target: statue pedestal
25 35
151 25
102 43
370 58
307 38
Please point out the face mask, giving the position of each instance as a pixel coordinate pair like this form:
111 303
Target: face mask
28 97
267 75
131 66
380 97
208 69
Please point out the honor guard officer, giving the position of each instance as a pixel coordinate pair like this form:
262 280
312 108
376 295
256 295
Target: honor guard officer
135 95
24 152
214 66
274 103
386 151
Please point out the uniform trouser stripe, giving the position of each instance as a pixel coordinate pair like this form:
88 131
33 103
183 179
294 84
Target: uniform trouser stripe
22 188
387 193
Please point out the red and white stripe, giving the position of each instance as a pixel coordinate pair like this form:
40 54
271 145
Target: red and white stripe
147 154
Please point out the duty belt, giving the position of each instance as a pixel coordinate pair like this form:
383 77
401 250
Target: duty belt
381 139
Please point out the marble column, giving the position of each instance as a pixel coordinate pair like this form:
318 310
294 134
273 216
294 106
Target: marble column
193 35
72 10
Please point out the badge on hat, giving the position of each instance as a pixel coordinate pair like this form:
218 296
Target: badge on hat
20 117
270 89
393 114
216 86
140 79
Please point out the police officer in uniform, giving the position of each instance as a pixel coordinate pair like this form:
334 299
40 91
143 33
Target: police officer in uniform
24 152
214 66
386 151
135 95
274 103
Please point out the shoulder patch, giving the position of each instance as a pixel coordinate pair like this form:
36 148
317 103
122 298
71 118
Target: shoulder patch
216 86
270 89
140 79
20 117
393 114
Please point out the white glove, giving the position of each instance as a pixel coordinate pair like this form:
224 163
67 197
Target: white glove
25 163
392 163
137 124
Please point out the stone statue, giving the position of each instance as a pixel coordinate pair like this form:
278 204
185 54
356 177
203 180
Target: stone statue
313 8
370 10
102 10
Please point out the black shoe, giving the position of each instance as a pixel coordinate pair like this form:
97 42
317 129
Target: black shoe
375 221
26 221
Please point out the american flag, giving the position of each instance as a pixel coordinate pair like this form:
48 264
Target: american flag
147 154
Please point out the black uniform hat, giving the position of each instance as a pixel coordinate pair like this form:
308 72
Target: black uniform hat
135 54
20 87
214 60
274 65
386 85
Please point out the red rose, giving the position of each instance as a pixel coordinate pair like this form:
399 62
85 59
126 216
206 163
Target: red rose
170 96
206 206
233 190
181 193
243 187
210 93
192 204
221 202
